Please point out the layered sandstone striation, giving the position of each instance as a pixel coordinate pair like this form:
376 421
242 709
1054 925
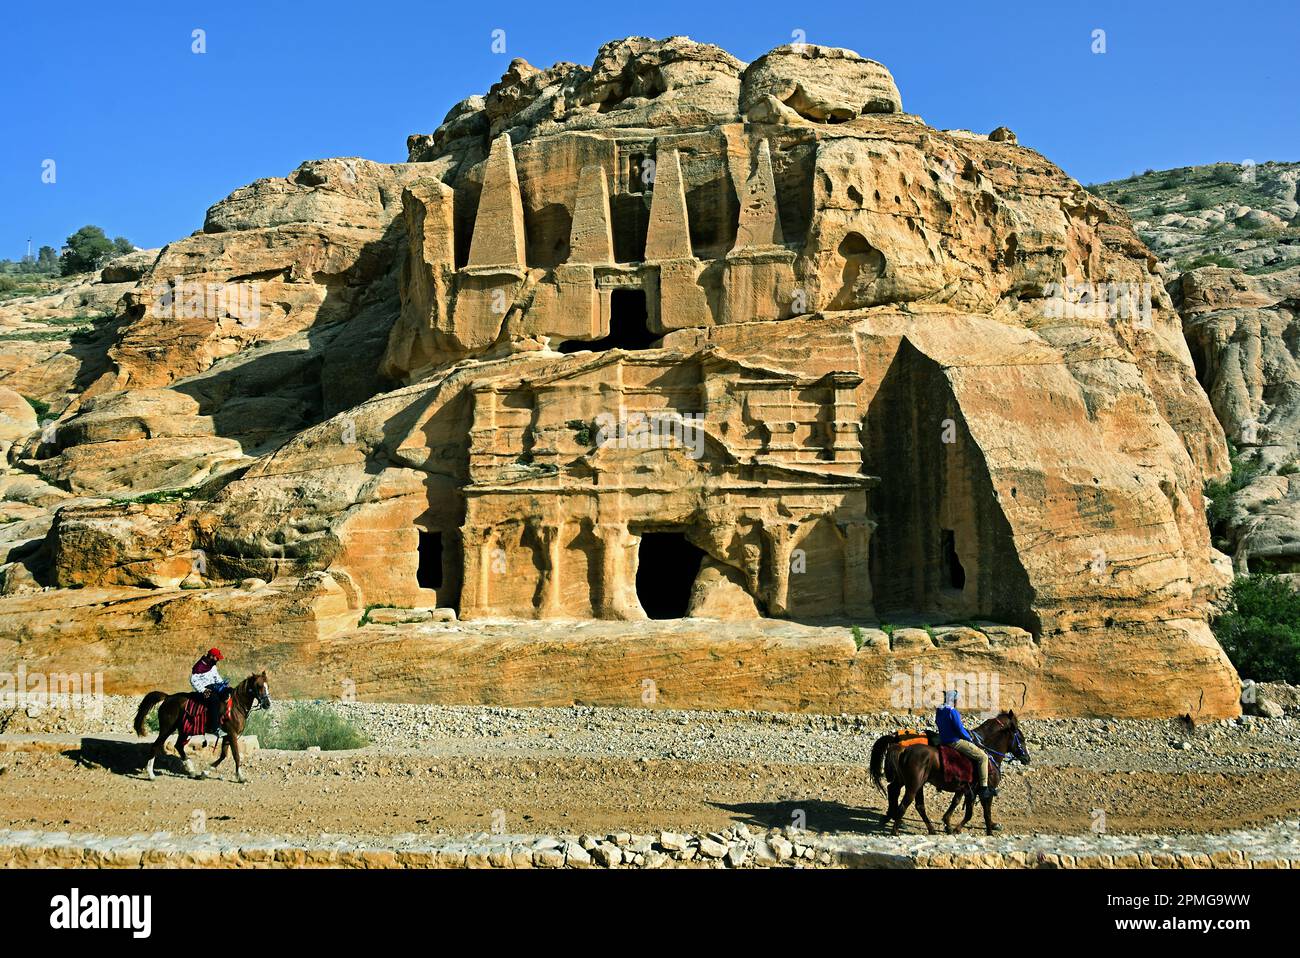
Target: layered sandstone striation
666 337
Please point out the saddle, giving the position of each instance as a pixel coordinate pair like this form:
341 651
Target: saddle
194 717
908 737
956 768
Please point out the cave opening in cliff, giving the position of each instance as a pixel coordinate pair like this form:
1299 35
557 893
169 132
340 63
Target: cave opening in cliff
951 563
428 573
628 325
667 565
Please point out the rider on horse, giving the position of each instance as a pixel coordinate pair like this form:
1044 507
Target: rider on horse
208 682
952 732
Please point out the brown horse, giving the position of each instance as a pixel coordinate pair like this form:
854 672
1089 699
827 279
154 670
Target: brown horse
252 691
916 766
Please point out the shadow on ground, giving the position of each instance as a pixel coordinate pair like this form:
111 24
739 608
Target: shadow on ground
122 758
813 815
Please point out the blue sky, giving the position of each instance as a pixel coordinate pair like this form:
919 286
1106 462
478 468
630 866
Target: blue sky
146 134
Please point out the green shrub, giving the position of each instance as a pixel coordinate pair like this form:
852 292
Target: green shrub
302 726
365 616
857 636
1209 259
160 495
1261 629
1220 492
1200 200
40 407
584 433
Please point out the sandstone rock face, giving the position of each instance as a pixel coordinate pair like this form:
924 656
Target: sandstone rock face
308 255
669 337
1242 331
17 418
822 84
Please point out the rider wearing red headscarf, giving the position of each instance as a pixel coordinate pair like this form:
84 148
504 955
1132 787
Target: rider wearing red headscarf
208 682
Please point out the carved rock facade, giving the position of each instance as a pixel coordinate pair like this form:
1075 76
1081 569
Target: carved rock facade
672 336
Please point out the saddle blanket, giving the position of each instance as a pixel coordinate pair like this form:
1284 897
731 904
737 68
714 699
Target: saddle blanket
194 717
957 768
910 736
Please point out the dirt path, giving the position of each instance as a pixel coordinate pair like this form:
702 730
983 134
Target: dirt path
369 793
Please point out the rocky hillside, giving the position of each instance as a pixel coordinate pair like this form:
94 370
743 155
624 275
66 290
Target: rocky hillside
1228 236
1224 214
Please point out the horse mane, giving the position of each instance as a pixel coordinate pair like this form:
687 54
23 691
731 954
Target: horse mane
1009 714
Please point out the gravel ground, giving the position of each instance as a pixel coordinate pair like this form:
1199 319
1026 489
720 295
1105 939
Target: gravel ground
1238 744
442 770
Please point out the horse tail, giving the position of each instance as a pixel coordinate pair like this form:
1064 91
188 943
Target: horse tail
878 752
147 705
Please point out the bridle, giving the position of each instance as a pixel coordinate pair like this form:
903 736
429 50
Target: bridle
254 699
1017 742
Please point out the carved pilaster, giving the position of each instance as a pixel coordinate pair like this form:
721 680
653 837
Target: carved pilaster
779 543
858 599
548 537
611 603
475 591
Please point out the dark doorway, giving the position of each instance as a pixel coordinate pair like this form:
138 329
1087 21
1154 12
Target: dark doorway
429 572
628 327
665 574
951 564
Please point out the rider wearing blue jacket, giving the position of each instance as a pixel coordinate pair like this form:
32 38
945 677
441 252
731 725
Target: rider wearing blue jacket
952 731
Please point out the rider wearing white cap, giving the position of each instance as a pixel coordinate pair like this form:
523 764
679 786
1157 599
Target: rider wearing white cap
952 731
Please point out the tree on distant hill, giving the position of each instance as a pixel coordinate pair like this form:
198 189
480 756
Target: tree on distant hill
89 248
47 260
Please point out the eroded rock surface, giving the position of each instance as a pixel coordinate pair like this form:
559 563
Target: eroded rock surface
668 335
1243 334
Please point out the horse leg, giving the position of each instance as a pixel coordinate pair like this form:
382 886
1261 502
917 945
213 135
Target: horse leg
180 750
947 816
970 806
233 739
908 797
156 752
225 747
989 827
159 747
894 789
920 807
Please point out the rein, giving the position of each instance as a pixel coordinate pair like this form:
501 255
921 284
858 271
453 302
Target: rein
242 688
993 753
